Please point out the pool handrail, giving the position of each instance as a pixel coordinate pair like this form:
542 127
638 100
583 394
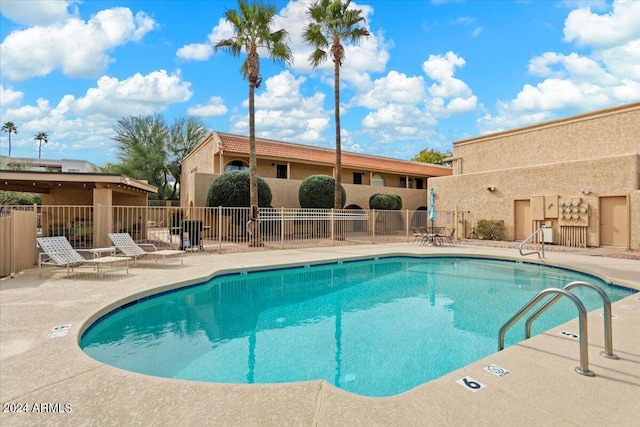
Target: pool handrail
531 236
583 369
606 303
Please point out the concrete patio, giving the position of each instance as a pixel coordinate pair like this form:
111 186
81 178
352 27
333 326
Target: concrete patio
58 384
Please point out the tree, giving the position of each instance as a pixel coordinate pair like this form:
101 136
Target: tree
432 156
385 201
41 136
316 192
185 134
252 29
9 127
142 143
332 22
232 190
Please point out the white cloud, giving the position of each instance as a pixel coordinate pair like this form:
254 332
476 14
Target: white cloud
284 113
506 119
136 95
35 12
441 68
619 26
395 87
195 52
30 112
78 128
622 61
9 96
78 48
204 51
450 94
607 74
215 107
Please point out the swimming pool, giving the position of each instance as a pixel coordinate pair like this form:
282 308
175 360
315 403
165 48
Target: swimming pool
375 327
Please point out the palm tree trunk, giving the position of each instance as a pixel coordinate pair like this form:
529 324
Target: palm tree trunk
337 204
254 237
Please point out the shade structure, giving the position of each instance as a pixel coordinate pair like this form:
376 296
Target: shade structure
432 206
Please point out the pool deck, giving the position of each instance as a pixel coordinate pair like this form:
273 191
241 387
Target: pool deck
541 389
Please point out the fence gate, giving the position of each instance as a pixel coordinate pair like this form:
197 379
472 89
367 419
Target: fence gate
18 232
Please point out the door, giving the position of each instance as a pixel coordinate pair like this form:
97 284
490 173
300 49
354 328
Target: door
614 221
522 219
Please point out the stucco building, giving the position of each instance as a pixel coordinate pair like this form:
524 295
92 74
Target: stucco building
284 165
47 165
580 176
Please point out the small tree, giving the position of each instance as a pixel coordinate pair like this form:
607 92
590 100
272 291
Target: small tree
386 201
317 192
432 156
232 190
491 229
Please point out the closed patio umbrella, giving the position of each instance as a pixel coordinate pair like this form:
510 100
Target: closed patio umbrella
432 206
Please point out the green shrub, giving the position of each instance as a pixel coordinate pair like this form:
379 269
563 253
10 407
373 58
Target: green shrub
387 201
317 192
17 198
490 229
232 190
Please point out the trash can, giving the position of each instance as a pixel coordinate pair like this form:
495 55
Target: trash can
191 235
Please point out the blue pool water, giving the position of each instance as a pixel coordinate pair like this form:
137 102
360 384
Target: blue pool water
376 327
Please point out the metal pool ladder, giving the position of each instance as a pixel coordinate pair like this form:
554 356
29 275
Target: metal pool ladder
531 236
582 321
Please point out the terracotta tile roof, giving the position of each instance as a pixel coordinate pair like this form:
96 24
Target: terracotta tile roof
271 149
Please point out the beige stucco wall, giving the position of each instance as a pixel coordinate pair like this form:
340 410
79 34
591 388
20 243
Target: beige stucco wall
202 165
611 176
634 215
62 197
590 136
285 192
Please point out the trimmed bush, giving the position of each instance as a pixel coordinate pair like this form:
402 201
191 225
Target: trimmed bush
231 190
387 202
490 229
317 192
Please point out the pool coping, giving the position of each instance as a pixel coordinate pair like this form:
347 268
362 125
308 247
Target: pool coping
36 369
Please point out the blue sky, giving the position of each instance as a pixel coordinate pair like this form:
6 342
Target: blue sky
433 72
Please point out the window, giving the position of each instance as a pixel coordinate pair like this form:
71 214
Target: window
378 181
236 165
357 178
420 183
281 171
406 182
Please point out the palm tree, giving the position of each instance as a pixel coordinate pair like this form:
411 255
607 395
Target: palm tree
252 30
41 136
10 128
332 22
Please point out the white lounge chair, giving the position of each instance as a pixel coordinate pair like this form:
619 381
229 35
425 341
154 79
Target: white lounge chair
125 244
57 251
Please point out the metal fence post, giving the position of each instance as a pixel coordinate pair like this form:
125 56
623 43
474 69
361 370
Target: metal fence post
332 222
373 233
219 229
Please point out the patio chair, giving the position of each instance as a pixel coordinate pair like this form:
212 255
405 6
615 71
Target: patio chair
447 238
125 244
57 251
417 235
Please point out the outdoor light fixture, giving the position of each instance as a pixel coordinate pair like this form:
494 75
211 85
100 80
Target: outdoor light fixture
491 188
